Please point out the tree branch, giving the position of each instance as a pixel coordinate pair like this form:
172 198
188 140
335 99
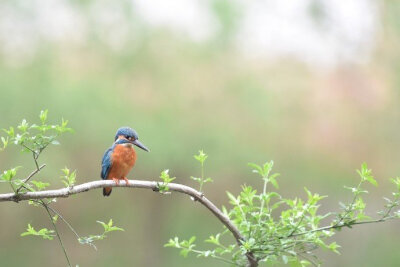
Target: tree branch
30 176
196 195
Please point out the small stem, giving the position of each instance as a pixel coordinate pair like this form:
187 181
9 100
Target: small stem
351 205
30 176
389 209
34 173
30 149
308 259
12 187
202 176
64 220
35 157
216 257
58 235
298 224
341 226
262 200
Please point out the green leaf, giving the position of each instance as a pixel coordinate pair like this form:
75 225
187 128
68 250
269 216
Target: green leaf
44 232
366 174
68 179
213 239
256 168
184 252
201 157
234 200
23 126
396 181
40 185
8 175
192 239
43 116
195 179
10 132
163 187
372 181
305 263
105 225
334 246
108 227
5 142
173 243
165 177
208 180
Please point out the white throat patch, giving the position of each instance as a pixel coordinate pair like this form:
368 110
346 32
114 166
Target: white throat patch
128 145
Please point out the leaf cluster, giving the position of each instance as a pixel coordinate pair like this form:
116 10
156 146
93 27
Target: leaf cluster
107 228
201 157
44 232
281 230
69 178
35 138
166 179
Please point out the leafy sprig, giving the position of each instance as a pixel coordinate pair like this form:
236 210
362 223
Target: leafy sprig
44 232
107 228
35 138
69 178
166 179
201 157
280 230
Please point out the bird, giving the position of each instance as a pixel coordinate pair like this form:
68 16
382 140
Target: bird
120 158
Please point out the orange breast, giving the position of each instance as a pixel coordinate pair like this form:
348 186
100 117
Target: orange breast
123 159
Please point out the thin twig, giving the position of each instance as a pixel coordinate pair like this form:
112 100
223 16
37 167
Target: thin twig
329 227
58 235
347 212
30 176
34 173
30 149
217 258
35 158
308 259
297 225
62 218
65 221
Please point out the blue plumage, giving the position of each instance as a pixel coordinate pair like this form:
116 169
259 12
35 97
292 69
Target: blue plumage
106 163
127 132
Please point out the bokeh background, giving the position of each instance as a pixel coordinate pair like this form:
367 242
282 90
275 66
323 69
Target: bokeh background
313 85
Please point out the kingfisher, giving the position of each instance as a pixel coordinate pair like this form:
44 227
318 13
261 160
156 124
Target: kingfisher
119 159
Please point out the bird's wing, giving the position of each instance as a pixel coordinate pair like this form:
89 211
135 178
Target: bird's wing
106 163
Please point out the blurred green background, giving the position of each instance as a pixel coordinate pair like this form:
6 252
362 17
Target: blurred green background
315 91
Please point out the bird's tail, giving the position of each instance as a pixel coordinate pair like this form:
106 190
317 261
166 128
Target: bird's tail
107 191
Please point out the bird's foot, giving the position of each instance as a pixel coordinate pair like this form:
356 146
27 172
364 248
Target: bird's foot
126 180
115 180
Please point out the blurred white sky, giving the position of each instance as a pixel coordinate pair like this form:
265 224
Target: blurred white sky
340 32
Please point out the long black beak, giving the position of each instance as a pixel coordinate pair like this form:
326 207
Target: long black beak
137 143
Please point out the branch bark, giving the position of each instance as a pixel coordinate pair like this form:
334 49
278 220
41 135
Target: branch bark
196 195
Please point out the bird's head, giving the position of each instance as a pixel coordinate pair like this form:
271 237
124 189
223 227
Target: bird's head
126 135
